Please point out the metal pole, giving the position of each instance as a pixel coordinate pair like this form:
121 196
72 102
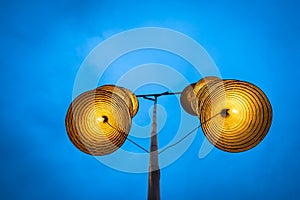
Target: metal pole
154 171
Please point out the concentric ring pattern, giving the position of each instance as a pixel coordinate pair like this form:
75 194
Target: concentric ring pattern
235 115
188 99
98 121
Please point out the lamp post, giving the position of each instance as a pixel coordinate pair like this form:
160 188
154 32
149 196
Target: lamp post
154 171
235 116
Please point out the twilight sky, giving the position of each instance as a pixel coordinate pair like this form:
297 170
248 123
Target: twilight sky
43 46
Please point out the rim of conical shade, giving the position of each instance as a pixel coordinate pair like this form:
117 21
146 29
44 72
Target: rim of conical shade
98 121
188 99
235 115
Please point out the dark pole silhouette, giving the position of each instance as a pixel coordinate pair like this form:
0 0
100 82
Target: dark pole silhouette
154 171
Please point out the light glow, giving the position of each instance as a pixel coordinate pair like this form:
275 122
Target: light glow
234 111
100 119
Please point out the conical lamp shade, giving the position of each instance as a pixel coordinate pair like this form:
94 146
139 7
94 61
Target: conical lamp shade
235 115
98 121
188 99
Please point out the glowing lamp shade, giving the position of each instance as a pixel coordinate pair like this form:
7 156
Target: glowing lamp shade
235 115
188 99
98 121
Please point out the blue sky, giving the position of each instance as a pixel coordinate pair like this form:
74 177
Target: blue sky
43 46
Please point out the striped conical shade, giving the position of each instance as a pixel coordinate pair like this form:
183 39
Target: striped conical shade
188 99
98 121
235 115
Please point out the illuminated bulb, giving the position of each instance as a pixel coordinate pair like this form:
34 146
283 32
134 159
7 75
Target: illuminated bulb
102 119
234 111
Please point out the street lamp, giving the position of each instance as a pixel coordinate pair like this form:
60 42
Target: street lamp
235 116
